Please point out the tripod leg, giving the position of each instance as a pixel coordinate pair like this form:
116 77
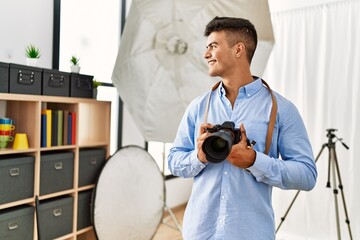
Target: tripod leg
296 195
335 191
287 211
328 185
342 194
173 217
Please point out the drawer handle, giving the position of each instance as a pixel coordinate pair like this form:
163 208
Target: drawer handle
14 172
56 80
93 161
57 212
26 78
58 165
13 225
83 84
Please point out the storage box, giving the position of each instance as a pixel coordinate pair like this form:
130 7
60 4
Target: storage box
25 79
55 217
17 223
55 83
84 209
91 161
16 177
81 85
56 172
4 77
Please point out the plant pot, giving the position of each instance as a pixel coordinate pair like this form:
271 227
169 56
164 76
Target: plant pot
32 62
75 68
94 93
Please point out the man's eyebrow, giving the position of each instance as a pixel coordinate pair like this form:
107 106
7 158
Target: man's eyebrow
212 43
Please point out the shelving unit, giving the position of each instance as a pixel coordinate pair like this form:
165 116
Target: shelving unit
92 131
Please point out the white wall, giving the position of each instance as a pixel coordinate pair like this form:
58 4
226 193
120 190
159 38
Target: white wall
26 22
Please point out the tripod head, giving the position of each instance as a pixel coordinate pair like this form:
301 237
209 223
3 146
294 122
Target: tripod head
331 135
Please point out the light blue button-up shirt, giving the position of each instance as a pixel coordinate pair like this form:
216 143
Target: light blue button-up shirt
228 202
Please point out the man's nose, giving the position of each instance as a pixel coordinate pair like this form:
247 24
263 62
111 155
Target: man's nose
207 54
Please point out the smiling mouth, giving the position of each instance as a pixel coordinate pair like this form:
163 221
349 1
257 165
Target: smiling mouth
211 62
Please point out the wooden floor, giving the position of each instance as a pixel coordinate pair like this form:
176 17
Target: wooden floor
167 230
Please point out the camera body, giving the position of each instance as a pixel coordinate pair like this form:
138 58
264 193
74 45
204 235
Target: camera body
217 146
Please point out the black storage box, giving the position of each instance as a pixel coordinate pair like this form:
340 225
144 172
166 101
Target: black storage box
55 83
84 209
55 217
16 177
25 79
4 77
91 161
56 172
17 223
81 85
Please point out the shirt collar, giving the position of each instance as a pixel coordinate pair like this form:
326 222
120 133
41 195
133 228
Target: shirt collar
248 90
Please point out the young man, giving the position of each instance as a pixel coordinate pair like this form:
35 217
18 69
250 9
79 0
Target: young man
231 200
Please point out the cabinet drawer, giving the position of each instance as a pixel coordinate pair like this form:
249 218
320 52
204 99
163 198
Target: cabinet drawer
4 77
56 172
25 79
17 223
55 83
84 209
81 85
91 161
55 217
16 178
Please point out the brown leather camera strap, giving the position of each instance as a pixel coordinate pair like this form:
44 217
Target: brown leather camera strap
272 120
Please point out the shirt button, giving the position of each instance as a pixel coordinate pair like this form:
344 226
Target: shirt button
249 95
225 172
220 221
222 197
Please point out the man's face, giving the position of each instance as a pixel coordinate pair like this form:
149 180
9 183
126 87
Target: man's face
219 56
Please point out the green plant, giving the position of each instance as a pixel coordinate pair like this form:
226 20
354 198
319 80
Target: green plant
74 60
32 51
96 83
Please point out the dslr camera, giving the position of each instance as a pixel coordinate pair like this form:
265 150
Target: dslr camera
218 145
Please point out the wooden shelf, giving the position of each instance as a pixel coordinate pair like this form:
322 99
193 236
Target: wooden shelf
93 131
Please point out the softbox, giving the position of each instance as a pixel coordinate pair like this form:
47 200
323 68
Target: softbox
160 66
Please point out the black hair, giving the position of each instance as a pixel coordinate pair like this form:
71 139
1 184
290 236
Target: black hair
237 30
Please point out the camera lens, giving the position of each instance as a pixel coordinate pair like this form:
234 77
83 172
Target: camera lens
217 146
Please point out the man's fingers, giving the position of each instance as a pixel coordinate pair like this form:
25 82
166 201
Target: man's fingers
244 138
203 128
243 133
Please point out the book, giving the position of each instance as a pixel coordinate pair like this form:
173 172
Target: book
69 129
43 130
73 128
60 127
54 128
66 126
48 114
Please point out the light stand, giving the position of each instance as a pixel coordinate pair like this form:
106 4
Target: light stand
166 208
333 168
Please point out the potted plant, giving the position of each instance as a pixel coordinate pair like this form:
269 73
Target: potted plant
32 55
95 86
75 67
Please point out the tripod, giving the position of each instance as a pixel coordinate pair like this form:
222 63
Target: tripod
333 168
166 208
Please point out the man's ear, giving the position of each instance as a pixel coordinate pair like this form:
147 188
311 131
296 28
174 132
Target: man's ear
240 49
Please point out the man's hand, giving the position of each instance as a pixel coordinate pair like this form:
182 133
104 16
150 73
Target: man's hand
242 155
202 136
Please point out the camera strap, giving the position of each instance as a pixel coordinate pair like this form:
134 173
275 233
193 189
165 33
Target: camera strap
272 120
